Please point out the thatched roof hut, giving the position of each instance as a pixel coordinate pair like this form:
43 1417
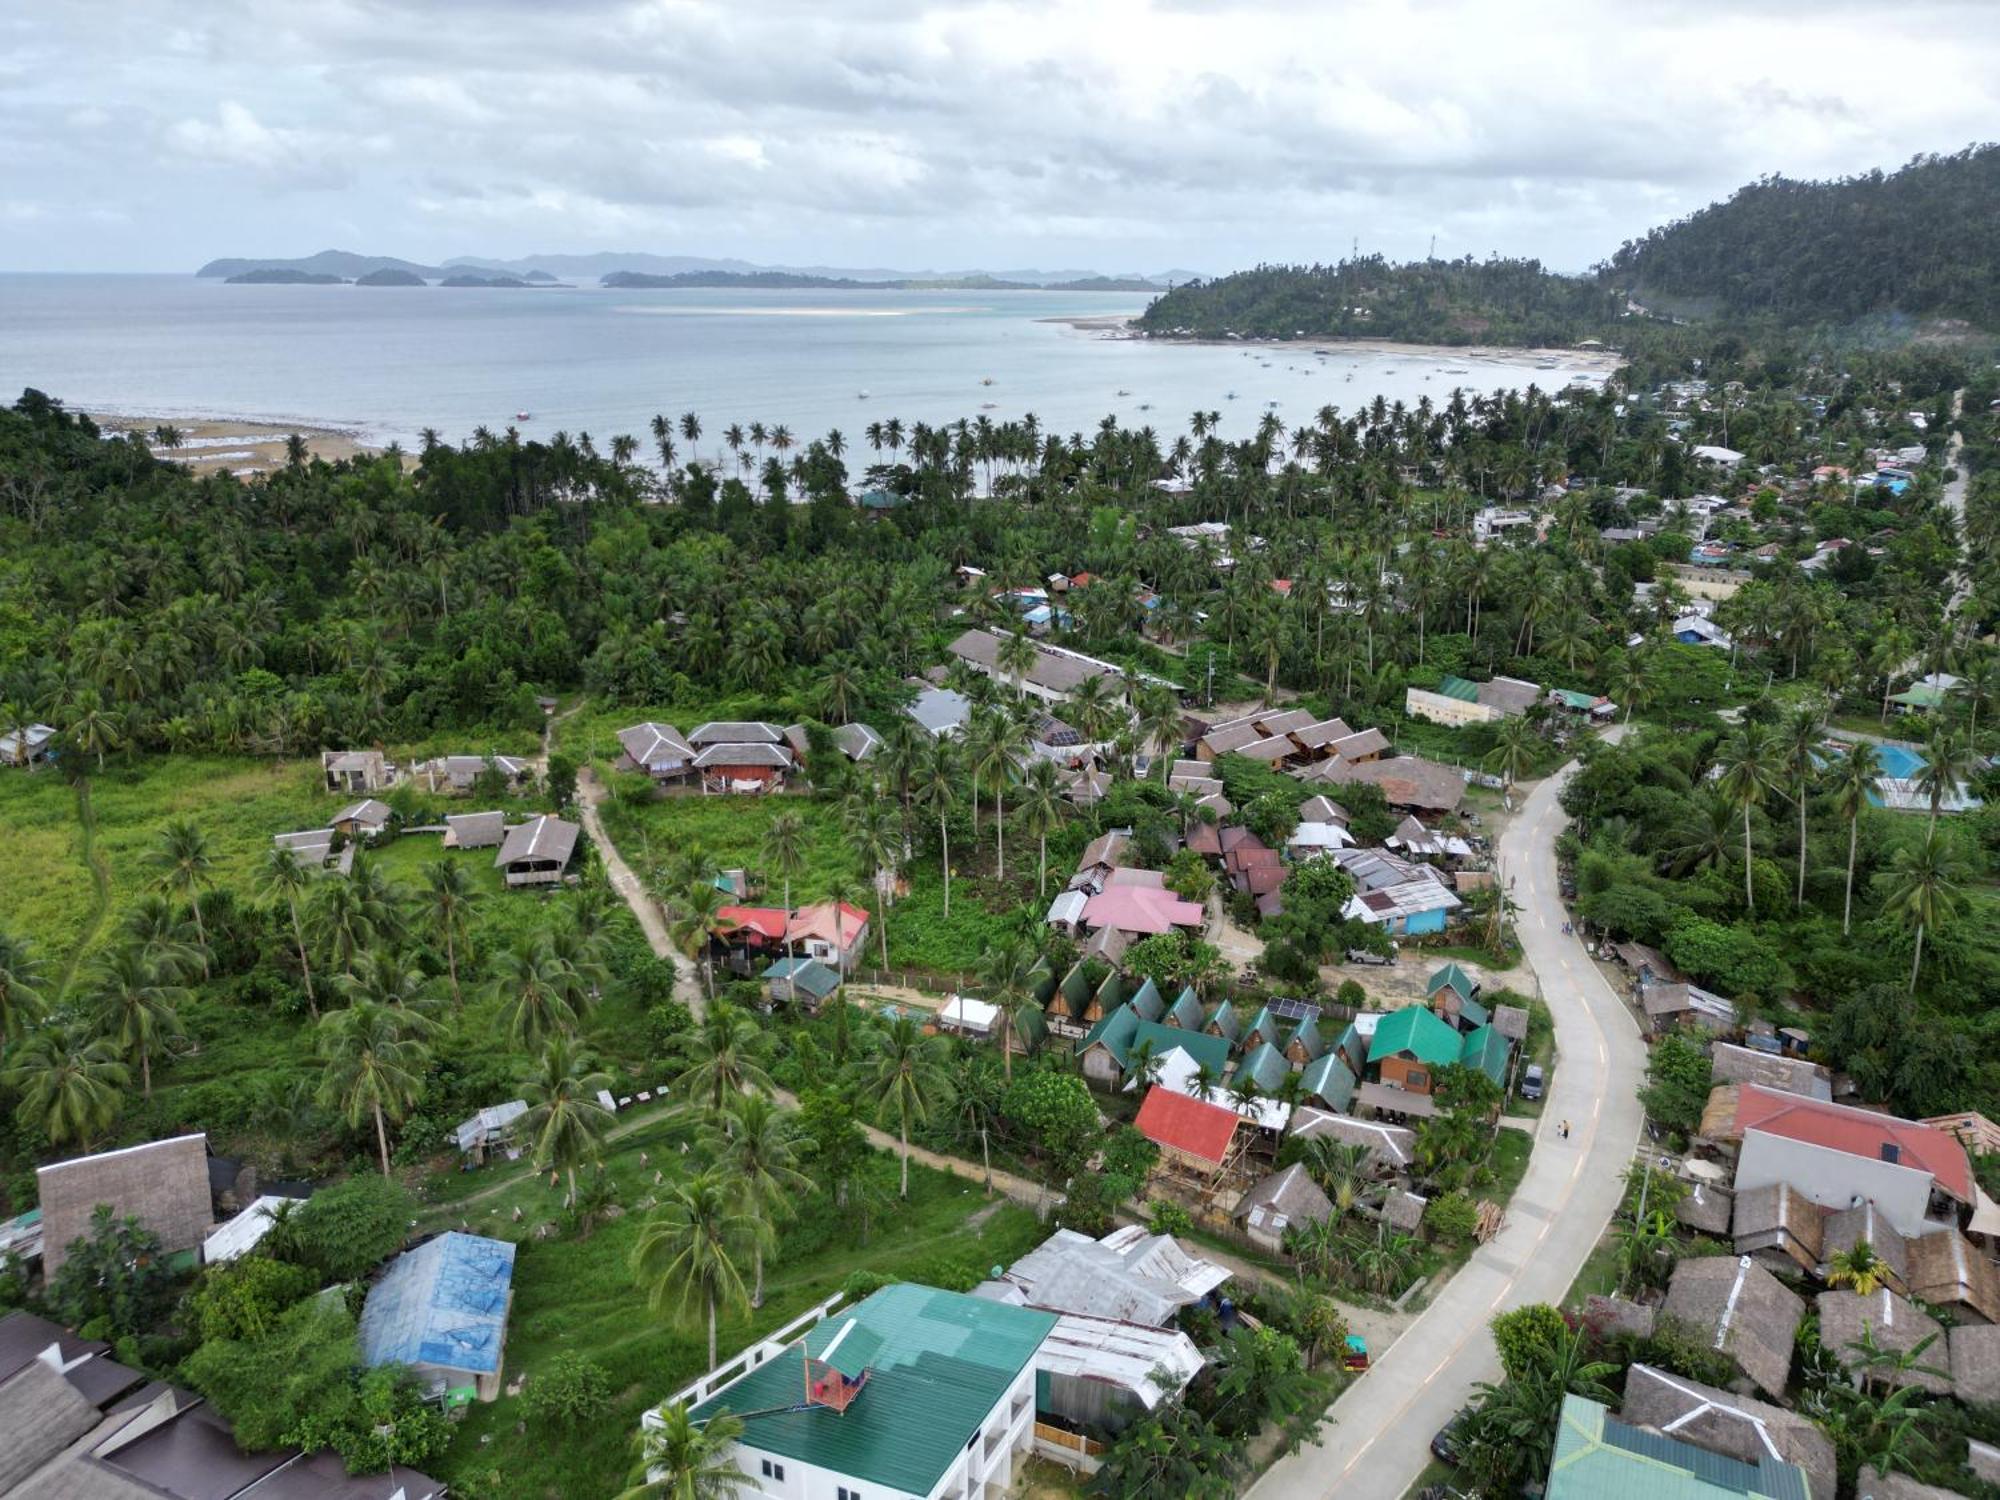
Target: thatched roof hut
1975 1363
1779 1225
1948 1270
1894 1324
1845 1228
163 1184
1707 1209
1738 1427
1740 1309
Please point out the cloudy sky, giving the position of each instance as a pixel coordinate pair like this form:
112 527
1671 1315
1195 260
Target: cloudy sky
1111 134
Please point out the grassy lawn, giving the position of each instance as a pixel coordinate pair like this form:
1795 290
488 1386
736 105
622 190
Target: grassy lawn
1599 1276
578 1295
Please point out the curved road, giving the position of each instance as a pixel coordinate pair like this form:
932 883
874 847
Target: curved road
1382 1425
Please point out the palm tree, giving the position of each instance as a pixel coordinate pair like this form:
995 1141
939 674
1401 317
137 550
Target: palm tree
1853 784
137 1007
908 1080
1706 840
755 1143
841 889
879 842
1514 749
1749 772
449 894
374 1060
722 1059
1000 740
937 788
533 982
691 921
1858 1268
1042 808
564 1119
688 1251
21 978
784 851
285 878
1009 974
70 1082
1923 889
1948 760
681 1459
1801 764
185 866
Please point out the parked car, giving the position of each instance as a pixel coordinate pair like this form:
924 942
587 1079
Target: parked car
1532 1082
1448 1447
1363 956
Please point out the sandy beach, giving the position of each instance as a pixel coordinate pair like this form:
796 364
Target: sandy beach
220 445
1119 327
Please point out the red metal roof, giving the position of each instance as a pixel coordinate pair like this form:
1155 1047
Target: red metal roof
1857 1132
767 920
816 921
1191 1125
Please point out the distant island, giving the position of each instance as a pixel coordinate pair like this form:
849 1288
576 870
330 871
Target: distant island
283 276
793 281
464 278
387 276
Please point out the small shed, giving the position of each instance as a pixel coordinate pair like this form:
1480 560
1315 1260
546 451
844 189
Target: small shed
242 1234
442 1309
971 1017
1280 1201
480 830
1189 1131
538 851
800 981
491 1127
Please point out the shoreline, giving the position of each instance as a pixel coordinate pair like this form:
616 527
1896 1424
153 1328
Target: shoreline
1119 330
241 446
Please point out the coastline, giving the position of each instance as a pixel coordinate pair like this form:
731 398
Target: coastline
244 447
1120 330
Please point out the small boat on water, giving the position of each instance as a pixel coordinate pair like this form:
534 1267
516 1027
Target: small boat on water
988 405
860 395
523 416
1145 406
986 380
1230 397
1123 392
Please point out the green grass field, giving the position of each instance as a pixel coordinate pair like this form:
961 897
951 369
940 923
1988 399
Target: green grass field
578 1295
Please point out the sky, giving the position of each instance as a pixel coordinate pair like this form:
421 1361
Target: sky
1113 135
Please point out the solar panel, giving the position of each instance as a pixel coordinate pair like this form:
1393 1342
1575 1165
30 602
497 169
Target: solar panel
1294 1010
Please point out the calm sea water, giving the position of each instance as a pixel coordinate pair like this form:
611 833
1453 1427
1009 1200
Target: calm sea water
388 362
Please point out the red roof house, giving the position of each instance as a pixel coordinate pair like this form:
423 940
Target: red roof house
1197 1132
815 930
753 926
1858 1132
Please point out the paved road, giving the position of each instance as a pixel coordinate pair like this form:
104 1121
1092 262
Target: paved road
1382 1425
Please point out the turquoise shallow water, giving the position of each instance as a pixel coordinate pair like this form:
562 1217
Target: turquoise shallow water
387 362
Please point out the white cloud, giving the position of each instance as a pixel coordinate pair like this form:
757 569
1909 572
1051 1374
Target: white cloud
1128 134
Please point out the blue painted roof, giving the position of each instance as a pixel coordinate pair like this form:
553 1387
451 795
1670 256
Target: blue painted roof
443 1303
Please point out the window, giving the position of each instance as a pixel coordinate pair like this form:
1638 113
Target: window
846 1493
774 1471
1417 1080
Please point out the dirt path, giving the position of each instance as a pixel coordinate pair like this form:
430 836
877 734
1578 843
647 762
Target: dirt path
652 922
632 1124
100 884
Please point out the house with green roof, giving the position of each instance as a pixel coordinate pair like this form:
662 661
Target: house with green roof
1598 1457
804 981
1331 1082
1263 1028
1408 1048
1147 1002
1074 996
1105 1055
1265 1064
1224 1022
1451 977
1305 1045
1186 1011
913 1392
1454 995
1488 1051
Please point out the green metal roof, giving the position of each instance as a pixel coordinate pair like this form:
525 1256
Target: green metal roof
1031 1026
1186 1009
883 500
1308 1036
808 974
1486 1050
1599 1457
1331 1080
1459 688
1451 974
1045 983
1223 1019
1919 695
1111 993
1075 990
937 1362
1571 698
1203 1048
1147 1002
1114 1030
1416 1031
1267 1065
1264 1024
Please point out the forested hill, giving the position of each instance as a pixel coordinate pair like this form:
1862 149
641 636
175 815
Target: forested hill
1435 302
1923 242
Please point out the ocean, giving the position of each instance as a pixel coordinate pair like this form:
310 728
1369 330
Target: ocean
385 363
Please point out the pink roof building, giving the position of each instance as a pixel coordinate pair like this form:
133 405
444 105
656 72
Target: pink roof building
1141 909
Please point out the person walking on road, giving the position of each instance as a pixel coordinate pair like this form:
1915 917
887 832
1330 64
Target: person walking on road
1564 1129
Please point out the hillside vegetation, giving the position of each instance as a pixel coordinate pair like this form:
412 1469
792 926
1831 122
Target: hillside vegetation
1923 242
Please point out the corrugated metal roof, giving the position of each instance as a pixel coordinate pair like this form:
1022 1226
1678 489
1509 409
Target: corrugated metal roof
937 1362
1599 1457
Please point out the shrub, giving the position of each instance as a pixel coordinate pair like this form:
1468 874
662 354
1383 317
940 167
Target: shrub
1351 995
242 1299
1526 1336
350 1228
1168 1218
1451 1218
572 1390
861 1285
115 1279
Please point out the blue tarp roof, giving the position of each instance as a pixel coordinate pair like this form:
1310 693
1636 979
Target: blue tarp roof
443 1303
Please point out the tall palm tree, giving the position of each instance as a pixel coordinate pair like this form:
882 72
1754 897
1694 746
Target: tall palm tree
723 1059
22 976
784 851
530 980
691 922
137 1007
185 866
681 1459
687 1257
1514 748
449 895
754 1141
70 1082
937 788
908 1080
284 880
1853 784
374 1059
1948 760
1009 973
1750 768
1801 751
1923 889
1042 808
879 842
564 1119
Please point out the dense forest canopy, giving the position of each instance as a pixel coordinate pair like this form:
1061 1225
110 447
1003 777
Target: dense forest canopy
1922 242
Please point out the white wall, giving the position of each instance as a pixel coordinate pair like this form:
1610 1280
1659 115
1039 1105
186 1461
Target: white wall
1439 708
1835 1179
